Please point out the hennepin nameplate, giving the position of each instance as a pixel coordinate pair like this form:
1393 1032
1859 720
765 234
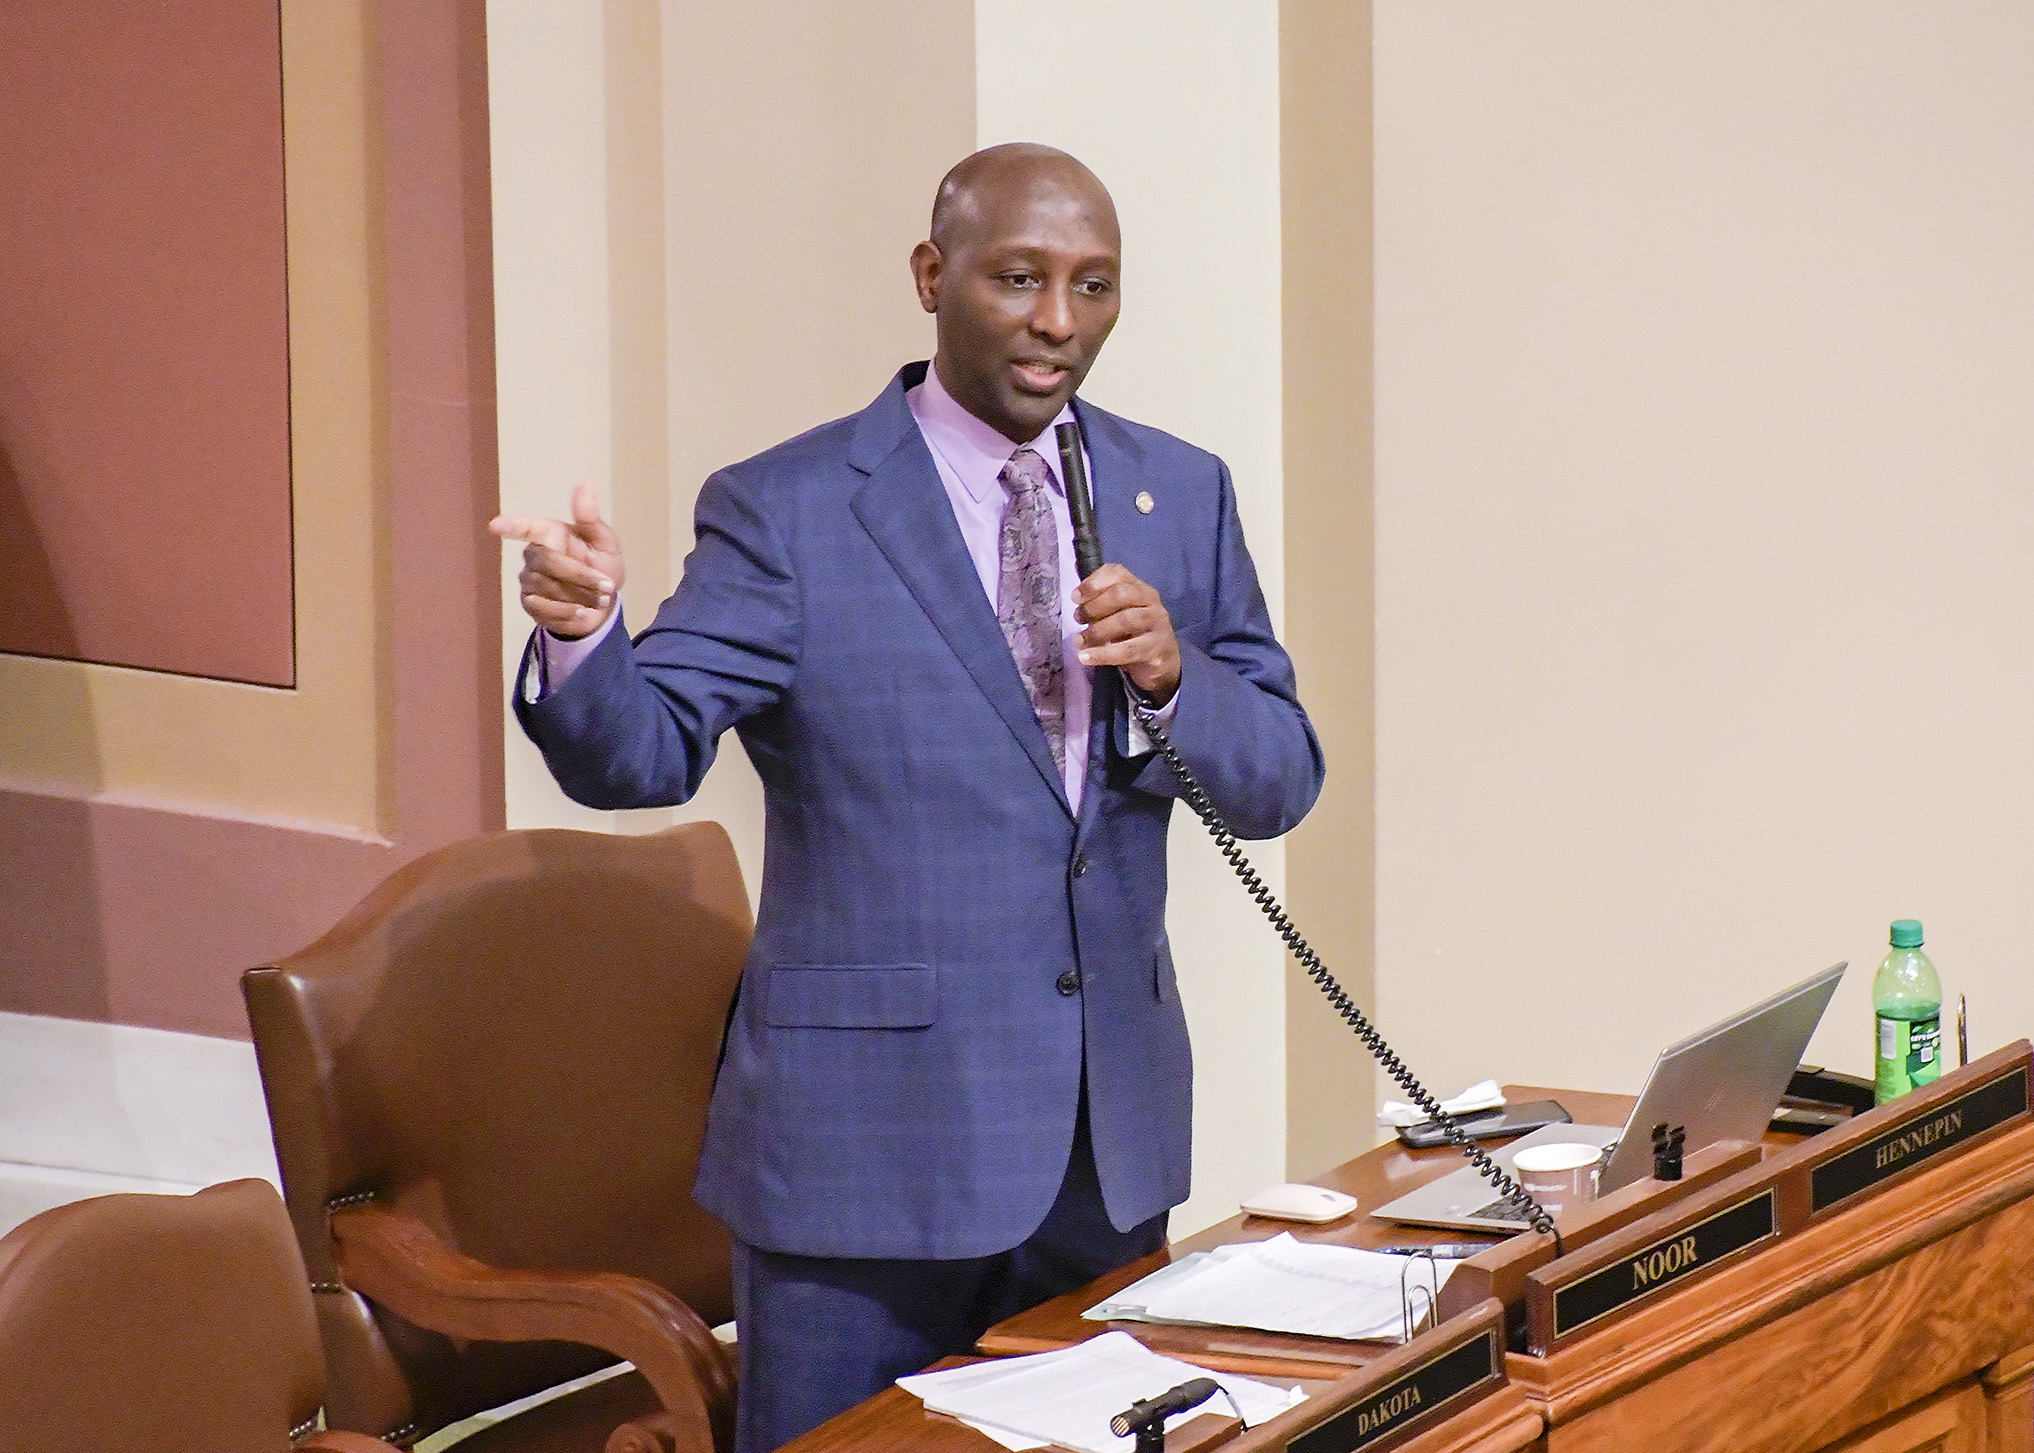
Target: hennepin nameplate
1419 1390
1664 1262
1918 1138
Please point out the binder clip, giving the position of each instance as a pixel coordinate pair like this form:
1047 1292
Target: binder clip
1667 1146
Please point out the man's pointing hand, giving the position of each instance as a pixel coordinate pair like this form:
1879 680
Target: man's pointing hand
572 573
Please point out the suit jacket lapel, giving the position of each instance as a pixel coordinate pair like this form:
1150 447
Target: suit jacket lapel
905 510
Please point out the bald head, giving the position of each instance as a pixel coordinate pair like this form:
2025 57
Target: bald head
998 177
1021 272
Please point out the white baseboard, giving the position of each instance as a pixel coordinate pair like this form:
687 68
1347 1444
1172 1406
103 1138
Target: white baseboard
143 1104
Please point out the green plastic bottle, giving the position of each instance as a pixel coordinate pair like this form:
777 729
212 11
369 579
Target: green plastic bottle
1907 996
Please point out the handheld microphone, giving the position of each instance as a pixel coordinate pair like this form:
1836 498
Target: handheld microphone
1080 500
1153 1412
1080 513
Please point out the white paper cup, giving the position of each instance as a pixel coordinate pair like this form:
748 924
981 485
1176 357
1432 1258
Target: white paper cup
1559 1175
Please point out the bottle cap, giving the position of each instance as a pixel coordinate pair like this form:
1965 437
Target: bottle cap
1906 933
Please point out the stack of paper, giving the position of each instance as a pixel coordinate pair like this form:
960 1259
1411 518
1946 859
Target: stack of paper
1067 1397
1283 1285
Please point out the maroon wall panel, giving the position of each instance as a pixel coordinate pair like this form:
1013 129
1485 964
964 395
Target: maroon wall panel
144 363
146 915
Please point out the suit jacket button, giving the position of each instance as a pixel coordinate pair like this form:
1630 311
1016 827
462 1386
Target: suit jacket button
1069 983
1080 864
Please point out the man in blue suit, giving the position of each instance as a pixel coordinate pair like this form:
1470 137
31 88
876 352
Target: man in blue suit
957 1079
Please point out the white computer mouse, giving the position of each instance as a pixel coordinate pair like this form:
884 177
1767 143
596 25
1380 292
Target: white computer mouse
1297 1202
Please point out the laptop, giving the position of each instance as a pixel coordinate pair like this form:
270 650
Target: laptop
1723 1084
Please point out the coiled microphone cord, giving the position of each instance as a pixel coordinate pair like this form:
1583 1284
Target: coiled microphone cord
1197 798
1088 559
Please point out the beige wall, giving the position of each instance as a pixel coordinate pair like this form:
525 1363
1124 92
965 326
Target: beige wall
548 111
797 186
1324 122
701 226
1705 339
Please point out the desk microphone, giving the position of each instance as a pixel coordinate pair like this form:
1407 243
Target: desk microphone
1152 1412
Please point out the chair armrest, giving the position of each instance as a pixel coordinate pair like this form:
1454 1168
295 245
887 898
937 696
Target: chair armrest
398 1262
337 1440
656 1433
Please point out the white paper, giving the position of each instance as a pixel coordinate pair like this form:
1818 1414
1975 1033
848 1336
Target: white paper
954 1383
1483 1095
1286 1285
1128 1305
1067 1397
1015 1442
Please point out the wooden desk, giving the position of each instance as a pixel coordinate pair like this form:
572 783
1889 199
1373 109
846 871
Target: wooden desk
1892 1313
1889 1315
1893 1318
1378 1176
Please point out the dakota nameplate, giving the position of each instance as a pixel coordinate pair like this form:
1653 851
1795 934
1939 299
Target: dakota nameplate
1664 1262
1918 1138
1420 1389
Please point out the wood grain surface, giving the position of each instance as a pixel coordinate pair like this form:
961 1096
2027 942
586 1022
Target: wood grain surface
1850 1321
2009 1403
1953 1421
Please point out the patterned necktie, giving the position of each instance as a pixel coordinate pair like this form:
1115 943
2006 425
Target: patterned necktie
1027 593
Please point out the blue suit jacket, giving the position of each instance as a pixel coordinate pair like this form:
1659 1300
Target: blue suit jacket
902 1071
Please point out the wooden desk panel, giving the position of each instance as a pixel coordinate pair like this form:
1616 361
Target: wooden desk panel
1927 1286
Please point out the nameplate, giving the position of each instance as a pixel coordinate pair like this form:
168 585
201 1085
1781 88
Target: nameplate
1918 1138
1660 1264
1426 1386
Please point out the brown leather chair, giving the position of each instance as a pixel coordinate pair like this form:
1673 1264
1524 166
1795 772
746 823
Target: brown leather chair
145 1324
488 1086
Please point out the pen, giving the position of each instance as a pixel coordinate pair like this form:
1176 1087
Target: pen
1453 1250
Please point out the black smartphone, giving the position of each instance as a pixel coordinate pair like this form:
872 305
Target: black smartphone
1497 1124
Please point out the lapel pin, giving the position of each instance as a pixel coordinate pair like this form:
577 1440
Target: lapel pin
1145 503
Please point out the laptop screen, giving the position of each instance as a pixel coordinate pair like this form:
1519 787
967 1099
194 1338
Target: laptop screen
1723 1083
